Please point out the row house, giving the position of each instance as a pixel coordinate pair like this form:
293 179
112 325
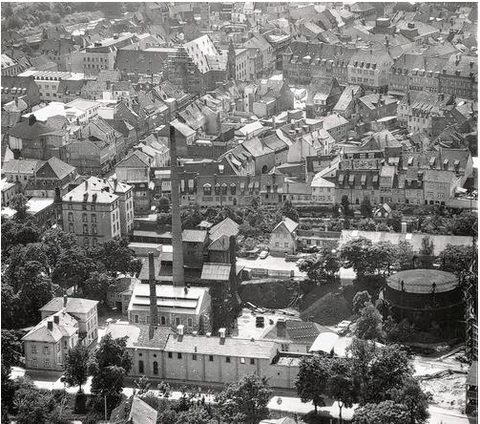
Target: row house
90 155
459 77
346 105
100 130
10 67
15 87
322 96
370 69
135 171
307 61
133 62
376 106
58 51
420 111
413 72
265 60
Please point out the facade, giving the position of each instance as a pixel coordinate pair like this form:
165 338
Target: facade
20 171
94 210
9 190
83 310
204 359
48 343
283 238
459 77
370 69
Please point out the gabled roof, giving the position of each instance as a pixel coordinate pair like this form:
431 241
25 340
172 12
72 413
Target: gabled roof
256 147
227 227
220 243
29 130
55 168
194 236
23 166
135 159
184 129
288 223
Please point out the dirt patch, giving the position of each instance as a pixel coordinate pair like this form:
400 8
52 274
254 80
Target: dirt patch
269 294
330 309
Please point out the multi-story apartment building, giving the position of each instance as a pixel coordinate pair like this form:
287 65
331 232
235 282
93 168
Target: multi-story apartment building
416 72
48 82
459 77
370 69
98 210
84 311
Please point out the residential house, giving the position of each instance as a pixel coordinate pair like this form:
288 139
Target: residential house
119 294
323 190
9 190
100 129
278 146
98 210
376 106
58 51
20 171
322 96
363 10
283 238
133 411
459 77
36 140
336 125
10 67
83 310
346 103
47 344
262 156
91 156
135 171
370 69
15 87
264 61
52 176
12 113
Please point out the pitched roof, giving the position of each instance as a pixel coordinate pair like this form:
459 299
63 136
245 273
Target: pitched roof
135 159
216 271
256 147
92 186
194 236
29 130
142 413
227 227
289 224
74 305
55 168
298 331
21 166
138 335
182 128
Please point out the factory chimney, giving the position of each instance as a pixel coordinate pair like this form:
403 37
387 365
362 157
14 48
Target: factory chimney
178 271
153 295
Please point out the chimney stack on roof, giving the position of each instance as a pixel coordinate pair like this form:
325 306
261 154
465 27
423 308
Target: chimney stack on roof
65 300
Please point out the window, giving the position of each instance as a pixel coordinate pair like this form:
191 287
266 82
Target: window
46 350
94 229
155 368
177 321
136 319
189 322
170 355
242 360
140 367
70 227
179 355
70 216
47 363
194 356
252 361
210 358
163 321
94 217
34 349
227 359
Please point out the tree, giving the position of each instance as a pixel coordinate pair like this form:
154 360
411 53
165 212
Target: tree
394 221
110 364
287 210
164 204
360 300
195 415
321 267
457 259
18 233
19 203
427 247
415 400
54 242
76 366
464 224
367 225
404 255
97 285
358 254
369 324
32 405
191 217
312 379
11 349
381 413
245 401
366 208
345 206
340 384
117 257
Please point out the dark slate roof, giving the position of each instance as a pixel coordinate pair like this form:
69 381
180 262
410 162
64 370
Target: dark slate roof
26 131
55 168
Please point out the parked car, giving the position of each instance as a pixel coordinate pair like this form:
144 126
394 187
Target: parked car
263 254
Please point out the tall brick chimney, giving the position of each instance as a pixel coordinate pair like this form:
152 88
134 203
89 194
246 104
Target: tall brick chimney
153 295
178 271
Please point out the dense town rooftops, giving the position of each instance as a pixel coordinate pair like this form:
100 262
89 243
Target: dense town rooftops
95 190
